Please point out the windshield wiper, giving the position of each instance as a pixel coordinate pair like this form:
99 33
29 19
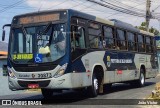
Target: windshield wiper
24 31
46 28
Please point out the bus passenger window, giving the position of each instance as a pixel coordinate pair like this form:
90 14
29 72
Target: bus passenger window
109 37
132 46
95 39
121 40
79 35
153 45
148 45
141 45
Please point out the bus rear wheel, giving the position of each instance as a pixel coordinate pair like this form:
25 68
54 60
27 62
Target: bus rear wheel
47 93
141 80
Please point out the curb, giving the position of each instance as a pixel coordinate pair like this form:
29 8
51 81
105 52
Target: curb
155 93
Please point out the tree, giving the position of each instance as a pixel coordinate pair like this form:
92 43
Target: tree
151 30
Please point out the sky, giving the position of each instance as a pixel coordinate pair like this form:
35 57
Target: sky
26 6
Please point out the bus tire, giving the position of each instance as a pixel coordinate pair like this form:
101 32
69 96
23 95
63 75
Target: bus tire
93 90
47 93
141 81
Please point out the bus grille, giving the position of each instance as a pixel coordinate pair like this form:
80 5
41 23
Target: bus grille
34 69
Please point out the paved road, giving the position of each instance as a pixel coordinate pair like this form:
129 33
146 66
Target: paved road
119 91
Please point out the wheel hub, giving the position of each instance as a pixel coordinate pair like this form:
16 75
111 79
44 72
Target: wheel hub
142 78
96 84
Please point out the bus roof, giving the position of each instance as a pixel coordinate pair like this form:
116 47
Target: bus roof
127 26
74 13
124 25
90 17
146 33
112 22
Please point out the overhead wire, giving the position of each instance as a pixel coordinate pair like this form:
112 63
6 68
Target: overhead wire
156 8
119 13
57 4
91 7
77 4
127 6
41 4
17 7
11 6
117 9
87 7
111 4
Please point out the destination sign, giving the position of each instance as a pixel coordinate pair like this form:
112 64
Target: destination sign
22 56
39 18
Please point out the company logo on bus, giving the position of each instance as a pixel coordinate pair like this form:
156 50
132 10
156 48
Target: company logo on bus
33 75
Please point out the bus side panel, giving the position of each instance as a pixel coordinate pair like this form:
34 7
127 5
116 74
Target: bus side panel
94 58
149 62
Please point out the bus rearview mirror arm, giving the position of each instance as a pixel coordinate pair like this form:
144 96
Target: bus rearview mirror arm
3 33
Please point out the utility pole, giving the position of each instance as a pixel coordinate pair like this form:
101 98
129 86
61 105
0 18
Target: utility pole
148 14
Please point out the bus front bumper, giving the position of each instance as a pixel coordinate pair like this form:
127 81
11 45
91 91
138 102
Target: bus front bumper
66 81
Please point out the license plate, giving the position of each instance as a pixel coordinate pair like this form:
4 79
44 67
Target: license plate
33 86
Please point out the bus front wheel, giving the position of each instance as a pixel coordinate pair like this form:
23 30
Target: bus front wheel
93 90
47 93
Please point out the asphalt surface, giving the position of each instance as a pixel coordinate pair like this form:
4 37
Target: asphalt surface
76 99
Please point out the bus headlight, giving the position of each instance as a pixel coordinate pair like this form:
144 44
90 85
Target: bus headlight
61 71
11 74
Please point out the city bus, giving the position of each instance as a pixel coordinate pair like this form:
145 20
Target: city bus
66 49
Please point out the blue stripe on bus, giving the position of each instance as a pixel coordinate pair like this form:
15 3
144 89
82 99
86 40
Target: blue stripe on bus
78 66
119 60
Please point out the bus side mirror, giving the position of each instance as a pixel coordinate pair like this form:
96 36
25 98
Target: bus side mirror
3 35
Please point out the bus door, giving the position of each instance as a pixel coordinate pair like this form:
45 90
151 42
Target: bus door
78 38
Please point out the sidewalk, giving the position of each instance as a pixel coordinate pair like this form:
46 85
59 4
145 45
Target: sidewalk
158 75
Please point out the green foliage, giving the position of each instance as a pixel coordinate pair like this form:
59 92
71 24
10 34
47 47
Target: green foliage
143 24
151 30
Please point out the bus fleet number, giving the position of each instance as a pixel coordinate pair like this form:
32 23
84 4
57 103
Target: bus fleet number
45 75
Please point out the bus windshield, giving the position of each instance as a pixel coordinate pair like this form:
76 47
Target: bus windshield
38 44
